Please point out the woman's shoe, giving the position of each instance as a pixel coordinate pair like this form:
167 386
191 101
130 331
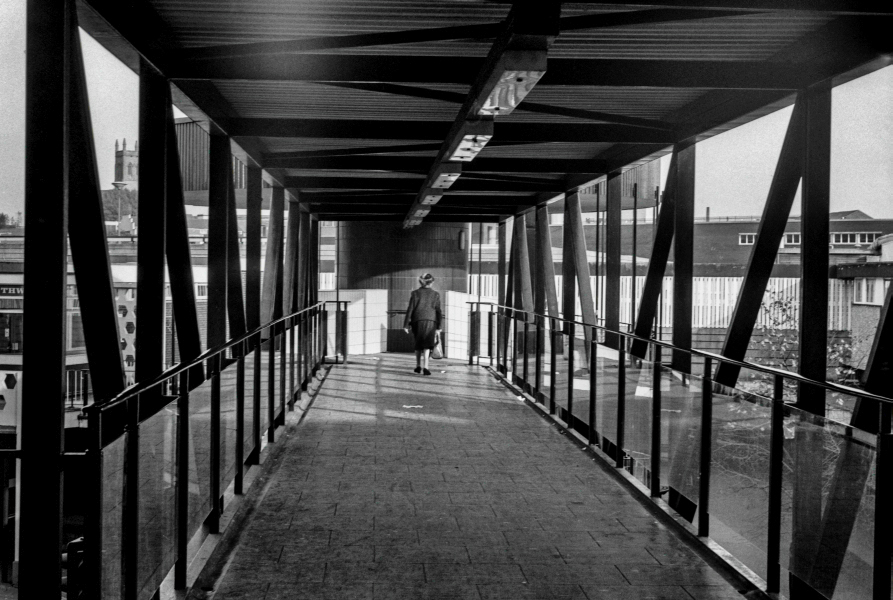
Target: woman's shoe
417 370
426 371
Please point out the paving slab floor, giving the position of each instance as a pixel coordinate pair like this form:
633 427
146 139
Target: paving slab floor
401 486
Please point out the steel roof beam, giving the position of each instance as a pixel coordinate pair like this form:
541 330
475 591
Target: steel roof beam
341 68
337 182
422 164
840 7
437 34
591 133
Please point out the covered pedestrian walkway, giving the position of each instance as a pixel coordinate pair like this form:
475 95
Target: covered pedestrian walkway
395 125
396 485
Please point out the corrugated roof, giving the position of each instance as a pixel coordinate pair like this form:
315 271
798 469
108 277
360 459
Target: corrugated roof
588 109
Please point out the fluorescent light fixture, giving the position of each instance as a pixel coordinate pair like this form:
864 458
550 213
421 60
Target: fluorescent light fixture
421 212
511 80
430 197
445 175
471 140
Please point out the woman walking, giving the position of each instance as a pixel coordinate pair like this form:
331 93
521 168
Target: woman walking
423 320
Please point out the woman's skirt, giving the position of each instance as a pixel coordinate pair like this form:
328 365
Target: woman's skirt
425 333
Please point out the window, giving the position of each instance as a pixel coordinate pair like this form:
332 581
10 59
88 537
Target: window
792 239
854 238
76 339
12 303
868 238
870 290
11 333
201 290
747 239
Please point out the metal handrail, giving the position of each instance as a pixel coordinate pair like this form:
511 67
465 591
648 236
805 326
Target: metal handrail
142 387
834 387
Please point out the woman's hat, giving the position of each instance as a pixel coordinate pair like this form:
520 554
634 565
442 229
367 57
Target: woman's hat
426 279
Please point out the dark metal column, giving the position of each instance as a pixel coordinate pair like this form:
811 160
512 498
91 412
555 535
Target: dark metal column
568 271
220 180
254 195
657 265
289 300
578 245
254 202
154 94
547 265
683 256
765 249
46 218
234 304
523 281
814 248
86 232
179 260
273 259
612 259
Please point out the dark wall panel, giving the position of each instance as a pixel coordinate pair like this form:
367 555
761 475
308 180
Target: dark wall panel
383 255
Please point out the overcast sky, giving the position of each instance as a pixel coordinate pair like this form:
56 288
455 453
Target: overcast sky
733 170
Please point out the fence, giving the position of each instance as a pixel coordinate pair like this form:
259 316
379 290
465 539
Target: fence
799 500
161 454
713 299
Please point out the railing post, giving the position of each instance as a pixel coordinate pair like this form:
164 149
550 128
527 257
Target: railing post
706 448
883 547
182 481
552 367
130 514
213 520
621 400
290 333
343 341
300 365
282 371
593 367
514 333
524 371
256 408
776 456
240 418
538 359
271 387
499 323
471 335
490 336
570 375
656 408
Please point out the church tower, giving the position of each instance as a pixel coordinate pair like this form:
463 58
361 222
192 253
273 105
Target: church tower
126 166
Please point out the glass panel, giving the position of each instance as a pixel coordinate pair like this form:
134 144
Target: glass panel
681 439
829 471
264 386
606 396
546 380
637 433
227 426
739 469
199 455
277 374
112 503
248 436
157 497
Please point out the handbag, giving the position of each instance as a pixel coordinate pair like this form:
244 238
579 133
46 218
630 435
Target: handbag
437 351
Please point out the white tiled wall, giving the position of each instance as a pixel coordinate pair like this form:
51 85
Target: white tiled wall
367 320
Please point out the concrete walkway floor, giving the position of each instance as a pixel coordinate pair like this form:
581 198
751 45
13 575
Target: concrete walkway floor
400 486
